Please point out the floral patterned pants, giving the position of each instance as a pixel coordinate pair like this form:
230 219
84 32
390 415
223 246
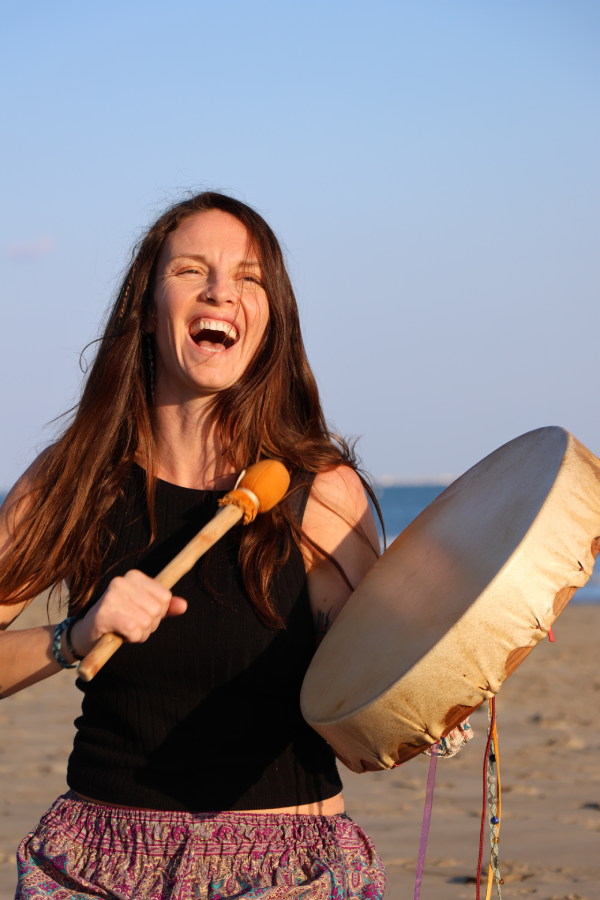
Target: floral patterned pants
82 849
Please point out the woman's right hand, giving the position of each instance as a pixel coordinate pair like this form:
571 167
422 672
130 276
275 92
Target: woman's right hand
132 606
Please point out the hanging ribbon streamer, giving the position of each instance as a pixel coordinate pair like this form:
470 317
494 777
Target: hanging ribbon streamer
494 802
491 795
426 819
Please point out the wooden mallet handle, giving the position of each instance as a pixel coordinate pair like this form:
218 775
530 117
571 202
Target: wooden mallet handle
260 489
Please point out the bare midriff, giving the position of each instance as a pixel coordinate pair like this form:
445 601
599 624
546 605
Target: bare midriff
333 806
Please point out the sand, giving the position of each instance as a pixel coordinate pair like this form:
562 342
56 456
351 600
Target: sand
549 731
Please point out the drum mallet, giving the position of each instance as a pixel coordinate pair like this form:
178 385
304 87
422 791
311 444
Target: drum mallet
258 489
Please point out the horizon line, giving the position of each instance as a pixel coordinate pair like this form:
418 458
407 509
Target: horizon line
441 480
383 481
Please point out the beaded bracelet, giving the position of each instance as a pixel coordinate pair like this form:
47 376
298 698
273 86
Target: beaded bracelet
56 644
70 647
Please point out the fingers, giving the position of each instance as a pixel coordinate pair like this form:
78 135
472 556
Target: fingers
177 606
133 606
138 604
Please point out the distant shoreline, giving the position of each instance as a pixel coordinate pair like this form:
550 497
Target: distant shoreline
390 481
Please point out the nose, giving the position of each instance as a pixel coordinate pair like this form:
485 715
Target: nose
219 290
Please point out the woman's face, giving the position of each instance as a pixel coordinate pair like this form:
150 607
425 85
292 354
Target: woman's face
211 310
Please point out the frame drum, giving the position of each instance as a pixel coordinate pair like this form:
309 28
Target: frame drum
457 601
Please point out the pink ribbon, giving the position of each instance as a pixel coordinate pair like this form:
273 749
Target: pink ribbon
426 819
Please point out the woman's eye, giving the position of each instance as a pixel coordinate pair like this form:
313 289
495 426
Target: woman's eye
189 272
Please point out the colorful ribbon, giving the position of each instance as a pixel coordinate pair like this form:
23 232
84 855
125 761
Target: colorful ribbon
493 781
426 819
491 796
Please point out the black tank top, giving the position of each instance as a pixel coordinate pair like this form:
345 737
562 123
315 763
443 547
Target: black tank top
205 715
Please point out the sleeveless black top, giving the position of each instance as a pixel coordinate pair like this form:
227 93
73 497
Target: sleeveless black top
205 715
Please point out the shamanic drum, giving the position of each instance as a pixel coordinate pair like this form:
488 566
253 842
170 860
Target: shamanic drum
457 601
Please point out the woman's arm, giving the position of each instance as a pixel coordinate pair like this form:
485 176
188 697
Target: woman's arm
132 606
25 656
337 518
12 511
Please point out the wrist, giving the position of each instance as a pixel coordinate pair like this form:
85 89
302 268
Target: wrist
81 641
72 647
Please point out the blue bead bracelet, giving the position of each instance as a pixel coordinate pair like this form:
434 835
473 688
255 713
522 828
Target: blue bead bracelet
56 644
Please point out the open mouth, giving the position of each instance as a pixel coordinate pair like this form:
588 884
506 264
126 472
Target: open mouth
211 334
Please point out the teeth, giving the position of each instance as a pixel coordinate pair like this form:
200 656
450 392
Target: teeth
214 325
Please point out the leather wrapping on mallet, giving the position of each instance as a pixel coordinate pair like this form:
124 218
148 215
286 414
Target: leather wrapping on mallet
262 487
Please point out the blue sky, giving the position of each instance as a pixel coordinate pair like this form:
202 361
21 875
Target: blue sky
431 167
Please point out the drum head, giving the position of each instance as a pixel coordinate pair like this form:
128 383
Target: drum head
457 601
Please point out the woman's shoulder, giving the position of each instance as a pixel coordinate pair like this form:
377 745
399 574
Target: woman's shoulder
339 492
341 542
338 511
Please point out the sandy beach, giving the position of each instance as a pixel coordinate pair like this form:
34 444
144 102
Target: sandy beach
549 732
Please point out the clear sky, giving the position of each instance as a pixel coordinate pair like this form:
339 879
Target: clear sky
432 168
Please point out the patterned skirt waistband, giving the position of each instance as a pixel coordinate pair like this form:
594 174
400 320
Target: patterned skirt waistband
219 831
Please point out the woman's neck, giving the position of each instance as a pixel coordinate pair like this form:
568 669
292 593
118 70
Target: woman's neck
189 446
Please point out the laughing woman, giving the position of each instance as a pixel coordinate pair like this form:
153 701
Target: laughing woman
193 773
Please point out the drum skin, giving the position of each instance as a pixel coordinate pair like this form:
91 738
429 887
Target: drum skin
457 601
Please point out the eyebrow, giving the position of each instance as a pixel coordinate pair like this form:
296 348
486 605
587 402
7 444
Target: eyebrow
200 258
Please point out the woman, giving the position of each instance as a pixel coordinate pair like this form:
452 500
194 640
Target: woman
193 773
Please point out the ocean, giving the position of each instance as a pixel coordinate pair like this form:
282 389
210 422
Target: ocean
401 504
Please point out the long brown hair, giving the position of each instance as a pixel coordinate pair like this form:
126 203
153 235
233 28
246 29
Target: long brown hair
272 411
